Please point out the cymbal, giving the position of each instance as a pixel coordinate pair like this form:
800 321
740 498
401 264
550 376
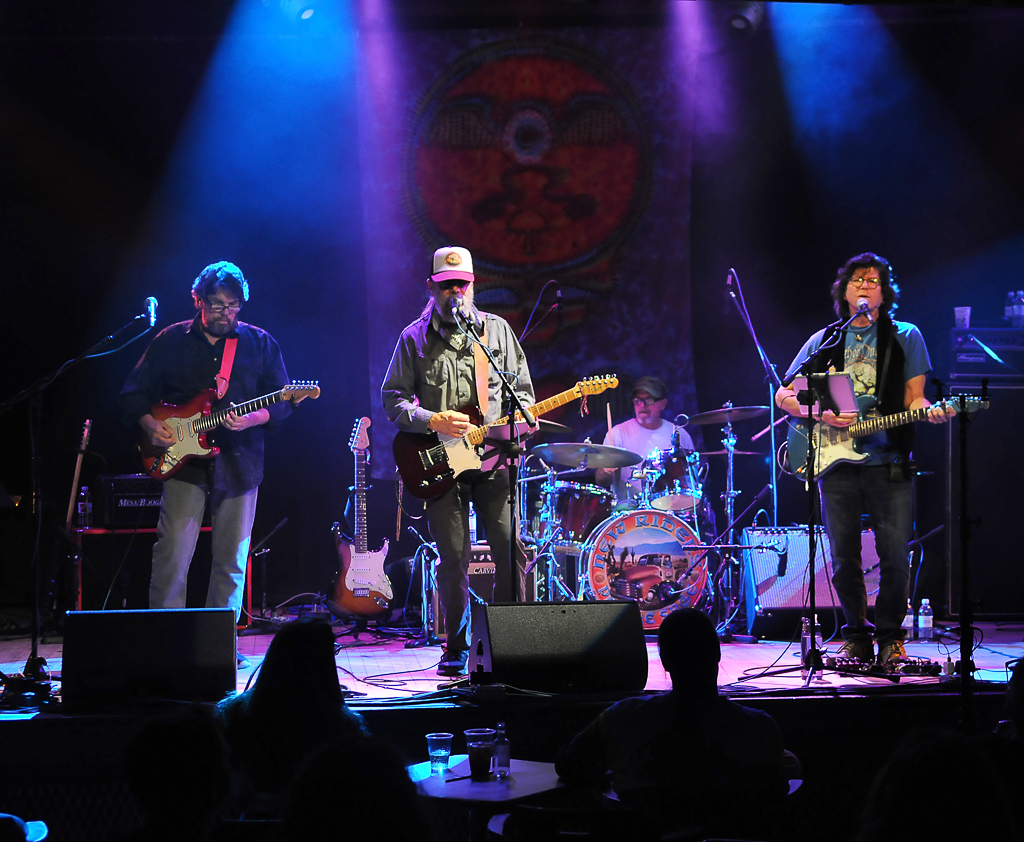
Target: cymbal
573 454
734 453
728 416
500 432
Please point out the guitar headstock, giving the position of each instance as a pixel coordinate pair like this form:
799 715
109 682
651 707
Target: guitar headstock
359 441
597 384
85 434
302 389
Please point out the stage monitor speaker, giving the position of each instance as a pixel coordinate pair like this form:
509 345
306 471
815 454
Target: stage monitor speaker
116 657
566 647
775 579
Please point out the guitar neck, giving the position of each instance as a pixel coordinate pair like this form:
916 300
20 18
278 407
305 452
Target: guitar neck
208 422
885 422
360 494
477 435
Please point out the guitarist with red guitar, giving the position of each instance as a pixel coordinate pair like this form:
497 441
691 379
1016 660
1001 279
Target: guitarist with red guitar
863 457
439 385
204 395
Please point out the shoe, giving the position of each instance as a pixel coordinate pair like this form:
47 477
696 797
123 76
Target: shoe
453 663
892 652
241 661
857 650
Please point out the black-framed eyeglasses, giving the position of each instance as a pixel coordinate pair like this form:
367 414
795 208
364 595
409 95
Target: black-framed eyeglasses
217 307
644 401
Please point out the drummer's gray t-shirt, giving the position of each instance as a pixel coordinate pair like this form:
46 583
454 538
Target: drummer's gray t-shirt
629 435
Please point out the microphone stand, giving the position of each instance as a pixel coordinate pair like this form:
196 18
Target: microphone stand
35 682
771 378
511 448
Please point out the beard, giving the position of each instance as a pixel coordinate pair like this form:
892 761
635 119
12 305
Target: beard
468 308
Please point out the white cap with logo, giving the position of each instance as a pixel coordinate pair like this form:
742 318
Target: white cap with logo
452 262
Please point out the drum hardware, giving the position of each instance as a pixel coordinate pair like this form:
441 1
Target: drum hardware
734 453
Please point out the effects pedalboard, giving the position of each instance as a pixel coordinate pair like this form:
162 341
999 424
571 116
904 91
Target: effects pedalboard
911 666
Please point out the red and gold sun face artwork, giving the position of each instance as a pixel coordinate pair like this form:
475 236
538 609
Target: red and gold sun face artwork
531 155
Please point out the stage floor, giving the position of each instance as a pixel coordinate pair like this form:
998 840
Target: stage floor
377 668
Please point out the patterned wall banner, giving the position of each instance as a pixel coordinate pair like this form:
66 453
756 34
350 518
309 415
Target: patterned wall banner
559 158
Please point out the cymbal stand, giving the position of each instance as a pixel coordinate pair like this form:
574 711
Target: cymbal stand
729 497
551 529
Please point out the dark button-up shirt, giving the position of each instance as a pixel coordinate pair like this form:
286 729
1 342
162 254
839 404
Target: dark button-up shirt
430 373
180 363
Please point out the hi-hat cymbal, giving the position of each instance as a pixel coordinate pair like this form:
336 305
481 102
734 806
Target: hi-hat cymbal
584 455
728 415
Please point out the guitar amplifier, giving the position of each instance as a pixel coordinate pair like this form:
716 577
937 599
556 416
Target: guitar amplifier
481 583
776 579
129 501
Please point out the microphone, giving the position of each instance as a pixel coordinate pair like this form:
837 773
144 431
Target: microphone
865 308
151 305
558 307
456 303
728 284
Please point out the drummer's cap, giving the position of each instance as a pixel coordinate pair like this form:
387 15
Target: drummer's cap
654 386
452 263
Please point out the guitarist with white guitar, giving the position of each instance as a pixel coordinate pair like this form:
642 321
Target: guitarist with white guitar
864 464
212 358
432 388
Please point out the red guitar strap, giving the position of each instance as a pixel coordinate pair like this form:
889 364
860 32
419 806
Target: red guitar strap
228 360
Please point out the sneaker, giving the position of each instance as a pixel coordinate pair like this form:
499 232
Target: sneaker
891 653
241 661
857 650
453 663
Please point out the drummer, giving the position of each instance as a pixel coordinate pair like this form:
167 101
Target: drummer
645 432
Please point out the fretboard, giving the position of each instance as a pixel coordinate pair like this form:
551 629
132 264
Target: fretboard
208 422
477 435
360 494
870 426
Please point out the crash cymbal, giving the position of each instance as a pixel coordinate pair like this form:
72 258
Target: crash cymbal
734 453
728 415
584 455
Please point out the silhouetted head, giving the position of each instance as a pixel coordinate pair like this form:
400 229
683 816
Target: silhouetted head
690 651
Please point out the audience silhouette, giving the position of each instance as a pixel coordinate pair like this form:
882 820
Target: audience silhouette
294 707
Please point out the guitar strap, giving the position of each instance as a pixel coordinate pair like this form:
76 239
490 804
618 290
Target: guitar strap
228 360
480 370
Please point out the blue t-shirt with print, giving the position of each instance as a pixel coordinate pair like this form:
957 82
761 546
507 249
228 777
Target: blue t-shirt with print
860 361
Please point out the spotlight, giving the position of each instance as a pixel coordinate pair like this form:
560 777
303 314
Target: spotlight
297 9
742 19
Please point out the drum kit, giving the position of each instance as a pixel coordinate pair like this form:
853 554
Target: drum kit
658 548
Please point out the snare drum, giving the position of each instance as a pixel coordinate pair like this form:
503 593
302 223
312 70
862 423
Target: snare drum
677 487
648 556
579 508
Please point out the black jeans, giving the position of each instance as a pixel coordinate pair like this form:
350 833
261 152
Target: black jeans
448 519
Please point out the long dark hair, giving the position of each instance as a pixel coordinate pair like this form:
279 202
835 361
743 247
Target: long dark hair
867 260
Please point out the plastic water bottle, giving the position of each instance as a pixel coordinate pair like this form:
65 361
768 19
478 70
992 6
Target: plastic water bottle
502 753
84 508
908 621
472 524
924 620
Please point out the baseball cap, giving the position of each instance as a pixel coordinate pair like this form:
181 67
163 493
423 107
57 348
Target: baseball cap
452 262
654 386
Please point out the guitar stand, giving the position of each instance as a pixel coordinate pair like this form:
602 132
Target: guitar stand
427 555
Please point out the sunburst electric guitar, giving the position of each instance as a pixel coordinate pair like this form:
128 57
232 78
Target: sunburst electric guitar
192 422
430 463
361 588
835 445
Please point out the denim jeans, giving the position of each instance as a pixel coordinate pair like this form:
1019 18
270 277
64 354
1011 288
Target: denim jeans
448 518
847 491
181 516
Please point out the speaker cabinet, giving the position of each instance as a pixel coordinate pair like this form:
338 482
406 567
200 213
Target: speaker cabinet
568 647
776 579
130 656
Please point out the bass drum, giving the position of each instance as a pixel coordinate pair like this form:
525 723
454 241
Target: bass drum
650 557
